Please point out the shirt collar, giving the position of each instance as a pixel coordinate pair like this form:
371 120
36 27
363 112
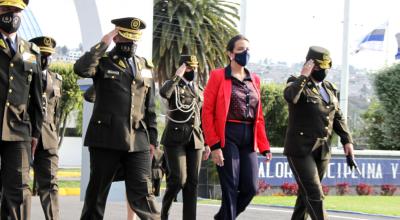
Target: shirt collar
13 38
228 73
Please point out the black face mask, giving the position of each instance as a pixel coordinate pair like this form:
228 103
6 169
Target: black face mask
319 75
242 58
45 62
125 49
10 22
189 76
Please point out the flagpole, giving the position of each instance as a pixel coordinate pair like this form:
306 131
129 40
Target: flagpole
243 16
344 78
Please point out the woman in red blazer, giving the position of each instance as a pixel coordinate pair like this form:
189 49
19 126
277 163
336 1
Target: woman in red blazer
233 126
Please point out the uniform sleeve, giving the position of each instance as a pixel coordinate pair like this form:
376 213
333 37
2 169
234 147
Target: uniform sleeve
35 108
208 112
168 87
90 94
294 88
57 110
262 140
341 129
86 66
150 117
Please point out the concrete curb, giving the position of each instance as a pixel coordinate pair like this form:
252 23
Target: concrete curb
330 210
69 191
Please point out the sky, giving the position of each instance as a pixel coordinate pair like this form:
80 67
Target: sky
280 30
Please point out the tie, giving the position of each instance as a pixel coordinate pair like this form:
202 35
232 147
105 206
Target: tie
130 63
323 93
10 45
190 84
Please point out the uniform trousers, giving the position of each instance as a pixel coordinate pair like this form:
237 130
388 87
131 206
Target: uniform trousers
184 166
308 172
16 194
45 166
104 164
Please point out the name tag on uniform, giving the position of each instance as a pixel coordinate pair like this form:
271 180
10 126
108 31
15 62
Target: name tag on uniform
113 72
28 57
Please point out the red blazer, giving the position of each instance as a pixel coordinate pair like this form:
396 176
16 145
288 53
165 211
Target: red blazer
217 95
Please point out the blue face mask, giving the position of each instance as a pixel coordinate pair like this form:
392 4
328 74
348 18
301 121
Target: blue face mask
242 58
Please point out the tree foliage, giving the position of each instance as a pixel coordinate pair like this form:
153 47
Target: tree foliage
275 112
199 27
387 89
374 120
71 98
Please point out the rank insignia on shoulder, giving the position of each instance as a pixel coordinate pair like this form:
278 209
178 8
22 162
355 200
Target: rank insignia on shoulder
2 44
315 90
146 73
122 64
149 63
35 48
59 77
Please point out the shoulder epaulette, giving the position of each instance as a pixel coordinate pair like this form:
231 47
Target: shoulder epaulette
291 79
331 85
35 48
59 77
149 63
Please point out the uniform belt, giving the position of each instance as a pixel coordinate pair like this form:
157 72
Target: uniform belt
240 122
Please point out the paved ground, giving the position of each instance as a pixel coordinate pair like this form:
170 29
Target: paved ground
71 208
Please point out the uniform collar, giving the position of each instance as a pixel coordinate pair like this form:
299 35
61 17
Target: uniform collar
13 38
228 73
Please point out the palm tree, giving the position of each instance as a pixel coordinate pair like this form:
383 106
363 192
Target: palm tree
200 27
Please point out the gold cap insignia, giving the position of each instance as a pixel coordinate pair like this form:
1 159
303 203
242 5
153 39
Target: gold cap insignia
47 42
135 24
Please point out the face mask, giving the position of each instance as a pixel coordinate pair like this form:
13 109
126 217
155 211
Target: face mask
319 75
45 62
10 22
242 58
189 76
125 49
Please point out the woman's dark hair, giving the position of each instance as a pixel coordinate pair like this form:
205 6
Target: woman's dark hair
232 41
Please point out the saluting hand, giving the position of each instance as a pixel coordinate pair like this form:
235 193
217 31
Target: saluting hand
218 157
108 38
307 68
181 70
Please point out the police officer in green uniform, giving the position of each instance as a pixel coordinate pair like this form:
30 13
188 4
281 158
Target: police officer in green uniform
183 137
313 116
45 163
21 113
123 128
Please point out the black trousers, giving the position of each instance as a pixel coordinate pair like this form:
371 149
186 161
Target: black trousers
45 166
308 172
16 194
104 164
238 176
184 167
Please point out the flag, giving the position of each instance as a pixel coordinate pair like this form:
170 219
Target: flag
373 40
397 56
